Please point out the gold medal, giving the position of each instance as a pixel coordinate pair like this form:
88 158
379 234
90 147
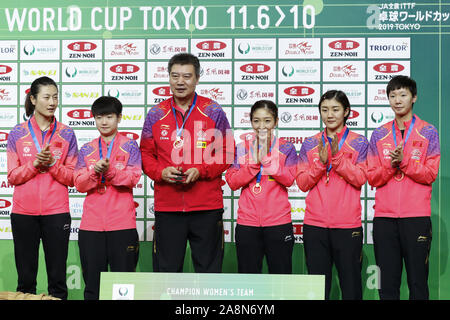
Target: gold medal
257 188
101 188
399 175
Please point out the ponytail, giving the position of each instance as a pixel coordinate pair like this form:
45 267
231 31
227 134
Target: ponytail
34 90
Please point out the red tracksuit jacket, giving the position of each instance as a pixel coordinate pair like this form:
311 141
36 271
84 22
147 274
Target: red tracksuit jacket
208 146
406 191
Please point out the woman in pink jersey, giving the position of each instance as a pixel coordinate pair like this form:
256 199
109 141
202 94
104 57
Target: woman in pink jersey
41 153
331 169
263 169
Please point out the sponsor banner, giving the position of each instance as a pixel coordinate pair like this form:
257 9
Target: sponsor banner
8 50
346 71
247 94
72 95
221 93
8 72
299 71
78 117
344 48
368 231
294 191
296 137
227 209
255 48
124 71
227 231
157 71
150 208
127 94
242 117
82 72
158 93
138 190
299 48
131 134
150 187
6 204
5 228
124 49
304 117
389 48
5 186
357 118
356 93
212 48
298 232
8 117
386 70
133 117
298 207
82 49
3 160
85 136
8 95
211 71
76 207
39 50
150 229
245 71
303 94
376 94
31 71
377 116
166 48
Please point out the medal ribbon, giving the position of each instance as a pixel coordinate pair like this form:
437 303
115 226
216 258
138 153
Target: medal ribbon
35 140
108 154
407 134
341 143
180 129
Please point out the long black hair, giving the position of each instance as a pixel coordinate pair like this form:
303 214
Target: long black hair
34 90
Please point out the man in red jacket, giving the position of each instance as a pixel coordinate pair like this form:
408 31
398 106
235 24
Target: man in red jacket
186 145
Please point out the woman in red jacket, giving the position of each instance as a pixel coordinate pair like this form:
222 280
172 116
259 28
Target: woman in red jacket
263 169
332 167
41 153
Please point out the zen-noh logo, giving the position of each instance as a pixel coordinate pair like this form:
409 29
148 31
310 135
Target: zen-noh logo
299 94
162 91
4 203
388 67
343 45
130 135
4 69
255 68
124 68
82 46
211 49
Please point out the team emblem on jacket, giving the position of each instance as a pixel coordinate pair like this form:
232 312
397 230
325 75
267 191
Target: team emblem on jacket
416 154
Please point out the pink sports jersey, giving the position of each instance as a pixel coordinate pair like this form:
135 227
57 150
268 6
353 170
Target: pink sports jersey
268 206
36 192
405 191
336 203
112 208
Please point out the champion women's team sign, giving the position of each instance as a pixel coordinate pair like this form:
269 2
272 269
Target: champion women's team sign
290 53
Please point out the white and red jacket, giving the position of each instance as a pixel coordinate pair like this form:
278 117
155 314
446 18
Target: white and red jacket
271 206
404 191
206 133
36 192
115 208
336 203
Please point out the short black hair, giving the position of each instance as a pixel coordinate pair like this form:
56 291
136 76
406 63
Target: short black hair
340 97
185 58
399 82
106 105
266 104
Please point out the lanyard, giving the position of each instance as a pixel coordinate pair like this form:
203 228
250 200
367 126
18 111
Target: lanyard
341 143
108 154
180 130
407 134
35 140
